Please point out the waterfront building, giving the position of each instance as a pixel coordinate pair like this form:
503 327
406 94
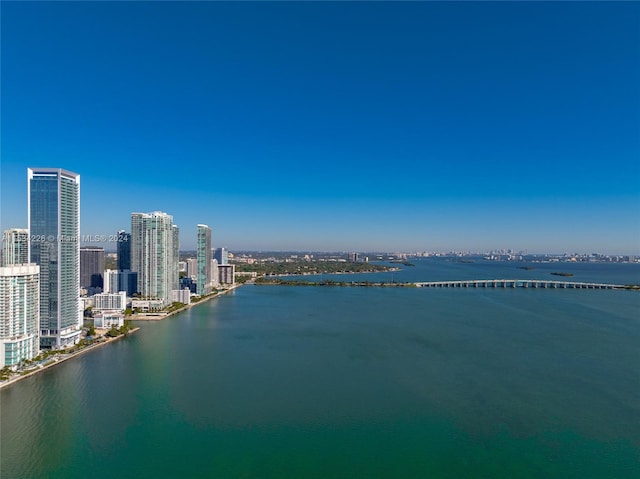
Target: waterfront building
154 254
15 247
146 305
123 250
222 255
203 258
227 273
54 228
19 313
181 296
110 301
108 320
92 269
215 280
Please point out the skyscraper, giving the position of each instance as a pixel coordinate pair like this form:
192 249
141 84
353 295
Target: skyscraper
54 228
203 257
15 247
154 254
124 250
222 255
92 269
19 313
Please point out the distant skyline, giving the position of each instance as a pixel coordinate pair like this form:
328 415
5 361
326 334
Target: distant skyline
333 126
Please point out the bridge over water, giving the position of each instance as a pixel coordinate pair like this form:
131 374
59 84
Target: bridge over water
517 283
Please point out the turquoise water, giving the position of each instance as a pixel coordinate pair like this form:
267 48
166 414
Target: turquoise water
297 382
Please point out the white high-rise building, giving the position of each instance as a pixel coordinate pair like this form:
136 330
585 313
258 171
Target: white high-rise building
54 229
111 281
15 247
154 254
19 313
215 281
192 268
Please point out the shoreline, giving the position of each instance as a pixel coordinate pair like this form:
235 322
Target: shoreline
68 356
91 347
161 316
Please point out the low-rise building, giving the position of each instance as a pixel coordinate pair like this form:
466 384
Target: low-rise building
181 296
146 305
108 319
110 301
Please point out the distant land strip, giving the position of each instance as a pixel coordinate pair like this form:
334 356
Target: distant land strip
482 283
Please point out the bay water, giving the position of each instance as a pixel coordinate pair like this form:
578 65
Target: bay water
323 382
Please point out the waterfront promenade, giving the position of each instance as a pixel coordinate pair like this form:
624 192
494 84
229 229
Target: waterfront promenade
60 358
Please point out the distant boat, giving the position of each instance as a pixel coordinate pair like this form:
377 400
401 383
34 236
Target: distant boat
560 273
528 268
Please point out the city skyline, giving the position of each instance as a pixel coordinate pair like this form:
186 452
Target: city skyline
333 126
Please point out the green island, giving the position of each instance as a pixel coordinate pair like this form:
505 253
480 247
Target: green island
402 262
302 267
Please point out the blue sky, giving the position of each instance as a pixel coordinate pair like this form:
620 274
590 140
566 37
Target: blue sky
333 126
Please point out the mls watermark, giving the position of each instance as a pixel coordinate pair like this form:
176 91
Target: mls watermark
115 238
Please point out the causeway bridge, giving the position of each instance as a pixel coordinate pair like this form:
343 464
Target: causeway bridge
517 283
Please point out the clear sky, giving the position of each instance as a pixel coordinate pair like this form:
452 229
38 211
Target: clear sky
333 126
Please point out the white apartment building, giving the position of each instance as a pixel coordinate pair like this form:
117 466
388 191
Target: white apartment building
19 313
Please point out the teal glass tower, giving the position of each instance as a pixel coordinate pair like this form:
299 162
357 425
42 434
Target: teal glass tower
203 258
154 254
54 229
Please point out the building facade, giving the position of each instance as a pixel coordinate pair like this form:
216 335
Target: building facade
15 247
203 257
181 296
110 301
108 320
19 313
92 269
154 254
222 255
226 273
54 229
123 250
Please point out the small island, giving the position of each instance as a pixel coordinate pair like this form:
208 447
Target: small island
528 268
560 273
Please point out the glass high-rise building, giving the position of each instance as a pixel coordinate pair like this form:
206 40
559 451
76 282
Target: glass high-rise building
154 254
203 258
92 269
15 246
124 250
222 255
54 229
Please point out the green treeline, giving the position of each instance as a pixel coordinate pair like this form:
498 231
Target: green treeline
329 282
309 267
